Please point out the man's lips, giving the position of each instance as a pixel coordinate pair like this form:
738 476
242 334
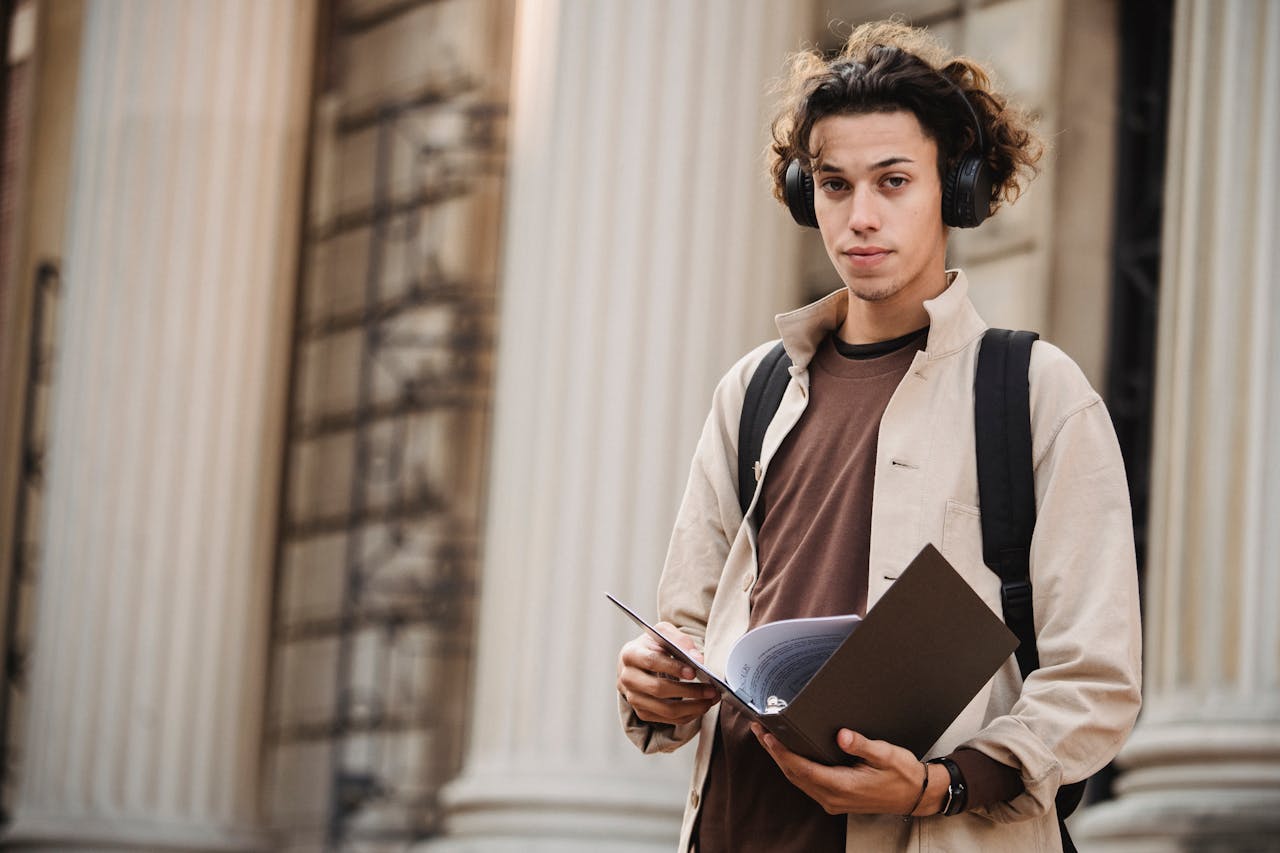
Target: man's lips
866 256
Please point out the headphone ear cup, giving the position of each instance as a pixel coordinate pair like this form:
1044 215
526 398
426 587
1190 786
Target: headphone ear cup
797 189
966 194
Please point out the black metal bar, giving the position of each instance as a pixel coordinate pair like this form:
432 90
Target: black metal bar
373 617
353 521
463 294
373 277
434 94
431 397
376 214
46 281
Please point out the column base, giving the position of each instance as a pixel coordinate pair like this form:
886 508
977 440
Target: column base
111 835
1200 786
498 812
1203 821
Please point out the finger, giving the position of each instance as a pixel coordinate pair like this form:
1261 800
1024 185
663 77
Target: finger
877 753
808 776
675 635
637 681
680 639
653 710
666 712
772 746
671 665
645 653
784 757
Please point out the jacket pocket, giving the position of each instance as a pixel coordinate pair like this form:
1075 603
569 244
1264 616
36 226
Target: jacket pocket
962 546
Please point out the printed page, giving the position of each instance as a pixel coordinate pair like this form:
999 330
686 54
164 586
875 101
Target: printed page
779 658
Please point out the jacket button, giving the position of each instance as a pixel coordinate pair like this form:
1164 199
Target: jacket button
693 799
746 583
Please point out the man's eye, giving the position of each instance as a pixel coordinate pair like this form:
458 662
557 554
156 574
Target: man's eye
832 185
896 181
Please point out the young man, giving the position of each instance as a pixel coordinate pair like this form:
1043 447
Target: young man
871 456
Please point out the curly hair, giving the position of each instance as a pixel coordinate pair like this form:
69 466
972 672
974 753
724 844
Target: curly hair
888 66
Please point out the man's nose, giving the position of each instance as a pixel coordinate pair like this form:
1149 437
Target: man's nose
864 214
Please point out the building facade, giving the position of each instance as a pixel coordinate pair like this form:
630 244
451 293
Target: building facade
350 350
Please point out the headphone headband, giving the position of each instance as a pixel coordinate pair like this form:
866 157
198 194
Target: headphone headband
973 114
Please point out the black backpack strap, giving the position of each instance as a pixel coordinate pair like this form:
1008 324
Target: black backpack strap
1006 491
1068 798
1006 483
764 395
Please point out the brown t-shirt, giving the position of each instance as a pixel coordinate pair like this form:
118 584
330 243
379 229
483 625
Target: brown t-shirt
814 547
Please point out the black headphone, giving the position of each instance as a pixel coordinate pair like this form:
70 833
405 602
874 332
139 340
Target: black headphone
966 189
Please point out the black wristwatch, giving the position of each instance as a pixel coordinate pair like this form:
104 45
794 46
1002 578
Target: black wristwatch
957 792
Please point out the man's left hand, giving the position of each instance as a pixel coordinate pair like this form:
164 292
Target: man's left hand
886 781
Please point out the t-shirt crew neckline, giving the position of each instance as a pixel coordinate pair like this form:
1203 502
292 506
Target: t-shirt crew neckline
868 361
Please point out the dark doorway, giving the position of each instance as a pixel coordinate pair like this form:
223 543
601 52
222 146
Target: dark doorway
1146 44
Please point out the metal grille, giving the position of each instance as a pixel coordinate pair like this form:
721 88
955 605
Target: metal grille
381 518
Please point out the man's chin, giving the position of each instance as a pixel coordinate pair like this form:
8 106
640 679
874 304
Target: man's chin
869 291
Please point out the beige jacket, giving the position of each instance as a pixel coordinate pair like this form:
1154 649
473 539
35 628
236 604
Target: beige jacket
1071 716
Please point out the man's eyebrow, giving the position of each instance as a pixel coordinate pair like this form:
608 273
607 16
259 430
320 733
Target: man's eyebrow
883 164
892 161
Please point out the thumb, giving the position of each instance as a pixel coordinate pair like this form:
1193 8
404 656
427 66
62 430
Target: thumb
874 752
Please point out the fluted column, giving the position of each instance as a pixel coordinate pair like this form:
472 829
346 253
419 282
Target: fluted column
643 255
1202 769
147 681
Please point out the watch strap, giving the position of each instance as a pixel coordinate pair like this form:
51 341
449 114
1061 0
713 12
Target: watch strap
957 791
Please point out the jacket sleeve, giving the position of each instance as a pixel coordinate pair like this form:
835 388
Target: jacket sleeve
706 525
1075 711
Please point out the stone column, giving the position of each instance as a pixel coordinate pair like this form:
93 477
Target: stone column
148 675
643 255
1202 769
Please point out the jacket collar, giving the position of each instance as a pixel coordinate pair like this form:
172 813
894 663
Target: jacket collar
953 322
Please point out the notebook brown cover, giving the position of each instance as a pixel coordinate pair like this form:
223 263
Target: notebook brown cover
918 658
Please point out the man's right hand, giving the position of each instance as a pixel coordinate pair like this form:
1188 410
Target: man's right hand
657 685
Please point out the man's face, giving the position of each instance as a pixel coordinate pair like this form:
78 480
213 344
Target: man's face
879 205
